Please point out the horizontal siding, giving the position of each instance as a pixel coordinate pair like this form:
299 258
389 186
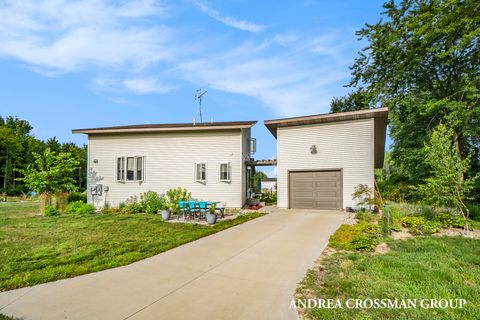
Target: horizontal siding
169 163
343 145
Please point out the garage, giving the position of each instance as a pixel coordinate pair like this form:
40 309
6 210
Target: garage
315 189
322 158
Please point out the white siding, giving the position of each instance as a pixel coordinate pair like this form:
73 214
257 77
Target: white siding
344 145
169 163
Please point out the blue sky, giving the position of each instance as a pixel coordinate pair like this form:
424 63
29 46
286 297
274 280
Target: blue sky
79 64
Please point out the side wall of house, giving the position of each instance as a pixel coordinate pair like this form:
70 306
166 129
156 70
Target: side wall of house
246 133
346 145
169 162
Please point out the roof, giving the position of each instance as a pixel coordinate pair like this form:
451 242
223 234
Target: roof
163 127
269 179
380 115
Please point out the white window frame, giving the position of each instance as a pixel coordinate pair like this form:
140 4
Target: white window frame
229 171
195 171
135 173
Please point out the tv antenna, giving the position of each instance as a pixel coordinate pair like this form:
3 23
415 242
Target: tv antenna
199 93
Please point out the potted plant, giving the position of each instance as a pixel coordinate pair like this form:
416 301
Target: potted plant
165 210
212 214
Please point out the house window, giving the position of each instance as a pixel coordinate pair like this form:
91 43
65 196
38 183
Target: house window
139 175
224 171
201 172
120 169
130 168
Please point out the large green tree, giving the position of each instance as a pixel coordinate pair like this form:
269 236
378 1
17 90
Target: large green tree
422 61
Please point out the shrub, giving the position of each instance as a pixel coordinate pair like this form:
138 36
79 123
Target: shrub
474 211
77 196
73 207
174 195
78 207
50 211
450 221
131 208
421 225
151 202
361 236
86 209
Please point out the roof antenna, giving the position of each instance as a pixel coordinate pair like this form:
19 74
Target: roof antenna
199 93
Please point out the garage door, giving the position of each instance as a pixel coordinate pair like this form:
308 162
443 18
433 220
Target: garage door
315 190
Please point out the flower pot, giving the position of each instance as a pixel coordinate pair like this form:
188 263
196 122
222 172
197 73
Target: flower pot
166 214
211 218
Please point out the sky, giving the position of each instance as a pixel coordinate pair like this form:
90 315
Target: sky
79 64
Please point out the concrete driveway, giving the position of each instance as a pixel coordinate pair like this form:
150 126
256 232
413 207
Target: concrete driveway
246 272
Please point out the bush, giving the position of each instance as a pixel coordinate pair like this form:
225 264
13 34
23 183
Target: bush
50 211
77 196
151 202
448 220
131 208
421 225
73 207
361 236
174 195
78 207
86 209
474 211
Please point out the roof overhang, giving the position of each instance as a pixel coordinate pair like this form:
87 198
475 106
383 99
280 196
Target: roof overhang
379 115
169 127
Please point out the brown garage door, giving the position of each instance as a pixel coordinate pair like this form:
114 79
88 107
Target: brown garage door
315 189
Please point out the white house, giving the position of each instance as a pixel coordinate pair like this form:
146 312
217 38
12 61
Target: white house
269 184
208 159
322 158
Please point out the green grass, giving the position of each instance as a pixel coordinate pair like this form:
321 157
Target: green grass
420 267
36 249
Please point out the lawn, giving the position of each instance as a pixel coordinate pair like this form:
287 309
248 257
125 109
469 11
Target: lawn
417 268
36 249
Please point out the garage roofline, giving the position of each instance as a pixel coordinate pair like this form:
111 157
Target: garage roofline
379 115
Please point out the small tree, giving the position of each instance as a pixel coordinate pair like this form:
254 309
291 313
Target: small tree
447 185
50 173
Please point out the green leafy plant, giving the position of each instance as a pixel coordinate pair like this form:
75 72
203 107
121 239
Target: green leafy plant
361 236
421 225
212 208
174 195
132 208
50 173
448 185
77 196
78 207
151 202
86 209
50 211
73 207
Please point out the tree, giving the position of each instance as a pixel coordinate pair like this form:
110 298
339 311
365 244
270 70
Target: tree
356 100
422 61
256 177
447 186
50 173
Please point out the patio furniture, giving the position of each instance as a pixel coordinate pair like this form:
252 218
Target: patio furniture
185 209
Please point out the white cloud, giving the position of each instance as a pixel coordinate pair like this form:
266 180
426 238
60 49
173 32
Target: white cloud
290 83
147 85
229 21
63 36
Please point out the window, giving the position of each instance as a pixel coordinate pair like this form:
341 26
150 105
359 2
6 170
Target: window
224 171
121 169
139 168
130 168
201 172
